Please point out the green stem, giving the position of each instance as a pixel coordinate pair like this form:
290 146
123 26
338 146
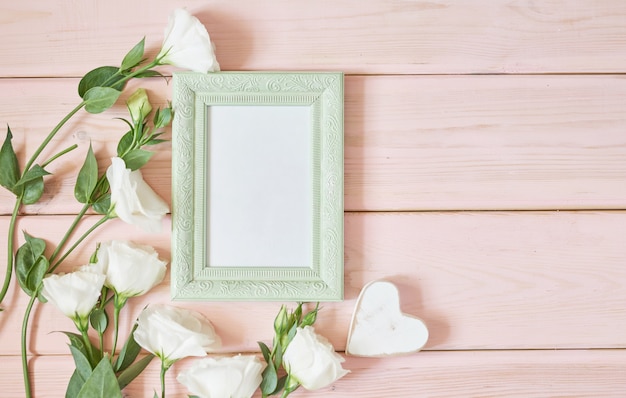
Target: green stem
27 391
82 237
10 242
117 305
163 370
58 155
83 332
54 131
69 232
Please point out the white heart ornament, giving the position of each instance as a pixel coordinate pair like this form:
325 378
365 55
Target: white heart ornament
378 326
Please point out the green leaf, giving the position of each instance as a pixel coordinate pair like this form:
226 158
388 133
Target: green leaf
280 385
298 313
278 355
9 168
103 204
83 367
292 333
136 158
30 264
309 318
104 76
75 384
102 382
126 143
99 320
154 141
265 351
134 56
32 174
76 341
87 178
133 371
129 352
99 99
149 73
33 191
162 118
270 379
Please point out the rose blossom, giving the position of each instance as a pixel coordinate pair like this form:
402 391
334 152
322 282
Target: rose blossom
131 269
235 377
135 202
311 360
74 294
187 44
172 333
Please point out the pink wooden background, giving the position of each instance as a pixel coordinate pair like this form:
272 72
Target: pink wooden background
485 174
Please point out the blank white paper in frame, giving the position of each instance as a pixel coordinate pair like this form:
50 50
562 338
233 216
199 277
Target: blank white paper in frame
260 204
257 186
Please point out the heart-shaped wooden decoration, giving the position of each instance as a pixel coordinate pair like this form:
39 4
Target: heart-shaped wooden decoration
378 326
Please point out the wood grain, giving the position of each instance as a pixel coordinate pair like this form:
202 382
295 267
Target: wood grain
391 37
520 374
480 280
450 105
411 143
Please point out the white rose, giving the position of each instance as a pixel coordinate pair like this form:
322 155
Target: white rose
187 44
172 333
75 294
135 202
131 269
234 377
311 360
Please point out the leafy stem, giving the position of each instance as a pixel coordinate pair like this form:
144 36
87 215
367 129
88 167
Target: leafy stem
78 241
10 241
29 308
117 305
69 232
164 368
58 155
51 135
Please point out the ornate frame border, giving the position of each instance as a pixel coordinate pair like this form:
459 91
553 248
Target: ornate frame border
192 278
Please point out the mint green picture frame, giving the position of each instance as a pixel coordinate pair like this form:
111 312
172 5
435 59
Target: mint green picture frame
195 95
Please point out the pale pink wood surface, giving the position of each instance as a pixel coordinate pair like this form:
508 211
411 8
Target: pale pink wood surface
445 36
496 374
427 143
518 303
480 280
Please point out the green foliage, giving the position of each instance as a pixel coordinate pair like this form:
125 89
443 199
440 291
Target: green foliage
101 383
134 56
104 76
137 158
87 178
35 172
130 373
99 320
129 352
9 168
103 204
33 190
31 264
99 99
275 378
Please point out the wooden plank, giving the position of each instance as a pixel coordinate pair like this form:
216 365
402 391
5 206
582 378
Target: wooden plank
485 143
412 143
480 280
375 37
426 374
